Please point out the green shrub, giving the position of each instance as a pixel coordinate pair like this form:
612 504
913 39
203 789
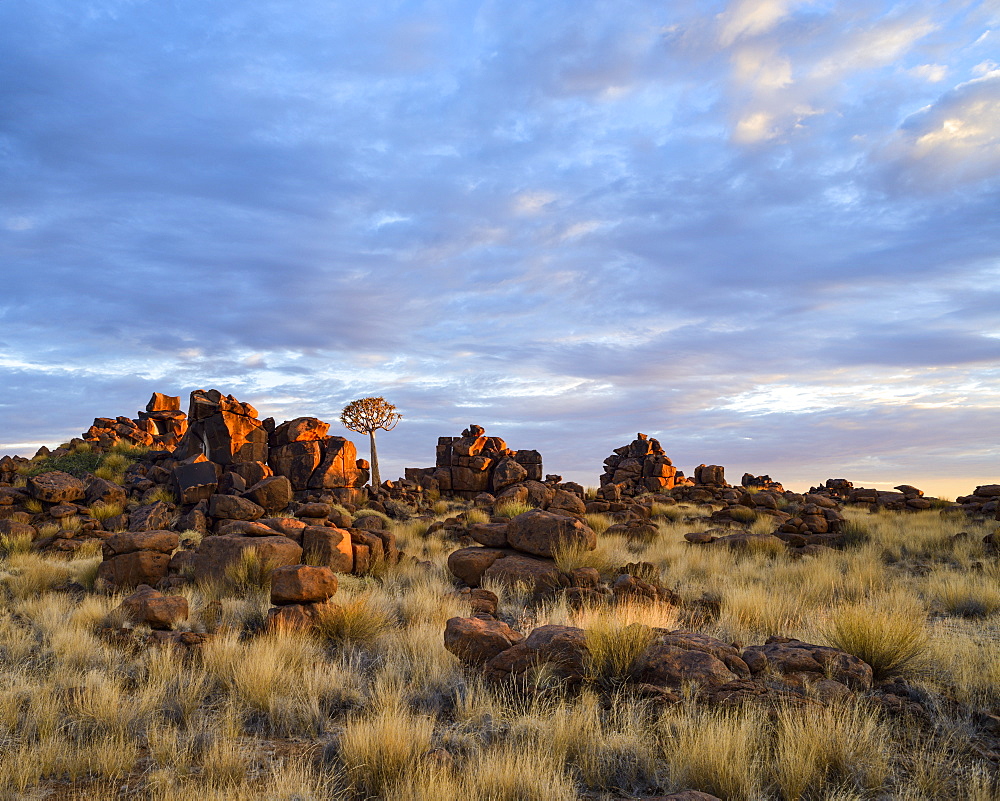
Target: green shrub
76 464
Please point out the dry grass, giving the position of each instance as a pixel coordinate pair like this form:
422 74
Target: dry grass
476 516
511 508
721 752
377 749
362 619
887 632
974 595
374 706
836 746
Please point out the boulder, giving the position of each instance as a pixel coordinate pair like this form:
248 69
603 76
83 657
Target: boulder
541 575
338 468
100 490
296 461
676 658
272 494
542 533
15 528
156 610
134 568
251 472
151 517
507 472
568 502
329 546
469 564
163 403
289 526
223 429
195 481
563 649
231 507
130 541
301 429
56 487
216 554
803 661
302 584
475 640
493 535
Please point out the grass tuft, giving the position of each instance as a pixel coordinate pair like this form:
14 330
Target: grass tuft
889 633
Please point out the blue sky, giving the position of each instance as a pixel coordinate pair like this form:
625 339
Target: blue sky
767 232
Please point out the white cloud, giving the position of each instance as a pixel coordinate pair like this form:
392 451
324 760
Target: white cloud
932 73
746 18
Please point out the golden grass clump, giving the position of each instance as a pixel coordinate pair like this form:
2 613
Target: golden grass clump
840 745
510 508
721 752
973 595
476 516
888 632
102 510
362 619
377 749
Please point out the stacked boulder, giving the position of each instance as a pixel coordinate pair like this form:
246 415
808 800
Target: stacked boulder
301 450
522 551
637 468
161 425
751 482
223 429
474 463
298 592
136 557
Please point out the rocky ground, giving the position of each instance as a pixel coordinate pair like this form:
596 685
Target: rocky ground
207 605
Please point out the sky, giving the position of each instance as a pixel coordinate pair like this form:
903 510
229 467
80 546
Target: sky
766 232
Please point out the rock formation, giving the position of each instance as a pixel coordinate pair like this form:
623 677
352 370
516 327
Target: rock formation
162 425
522 550
474 463
636 468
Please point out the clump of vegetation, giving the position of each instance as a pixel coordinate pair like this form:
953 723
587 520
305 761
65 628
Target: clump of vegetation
889 632
103 510
362 619
742 514
476 516
511 509
250 573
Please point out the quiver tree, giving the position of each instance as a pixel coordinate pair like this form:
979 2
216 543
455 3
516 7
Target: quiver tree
366 416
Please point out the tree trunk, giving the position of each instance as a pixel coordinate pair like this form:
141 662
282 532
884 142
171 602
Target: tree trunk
376 479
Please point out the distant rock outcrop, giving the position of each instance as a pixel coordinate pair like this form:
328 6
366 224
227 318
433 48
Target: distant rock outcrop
637 468
474 463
